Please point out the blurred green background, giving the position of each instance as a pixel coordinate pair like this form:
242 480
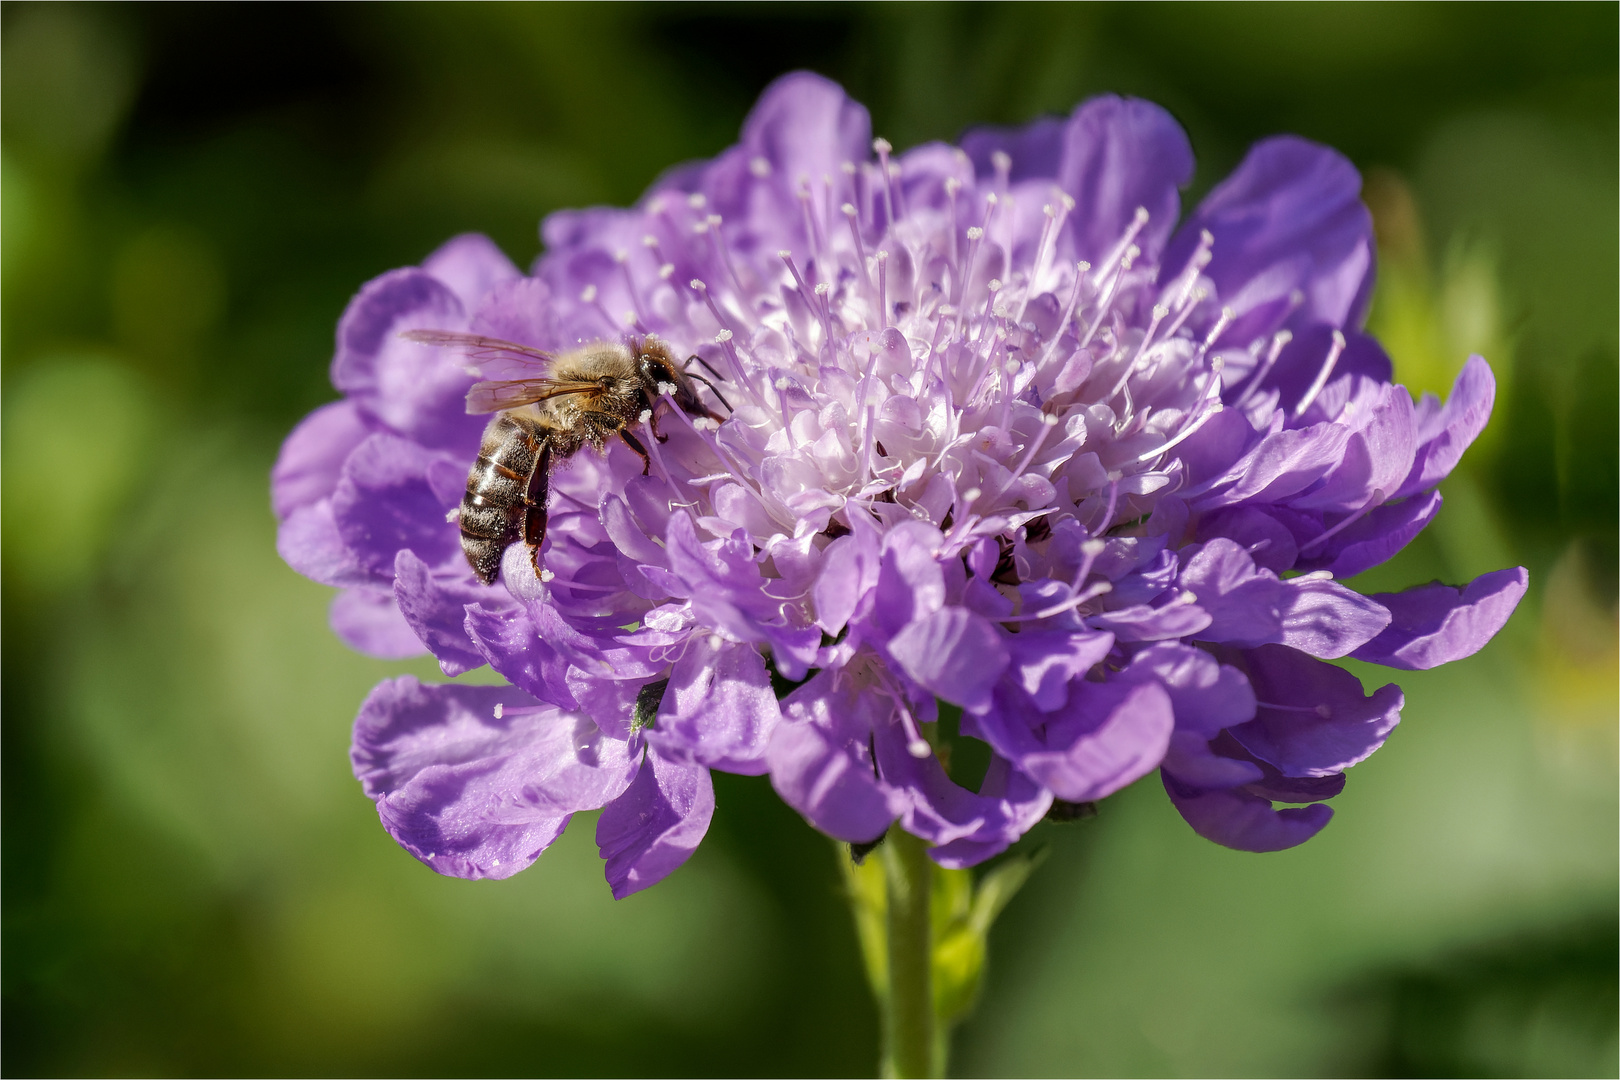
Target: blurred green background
194 884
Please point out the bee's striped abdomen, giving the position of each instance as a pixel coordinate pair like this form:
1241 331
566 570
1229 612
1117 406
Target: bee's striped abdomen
500 502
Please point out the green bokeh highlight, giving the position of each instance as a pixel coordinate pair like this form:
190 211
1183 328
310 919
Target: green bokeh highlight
193 883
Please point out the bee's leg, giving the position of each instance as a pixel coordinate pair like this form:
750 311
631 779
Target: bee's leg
635 444
535 494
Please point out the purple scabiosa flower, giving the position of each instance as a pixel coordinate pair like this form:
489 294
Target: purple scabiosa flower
995 432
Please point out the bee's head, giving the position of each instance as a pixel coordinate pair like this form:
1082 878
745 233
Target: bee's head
658 370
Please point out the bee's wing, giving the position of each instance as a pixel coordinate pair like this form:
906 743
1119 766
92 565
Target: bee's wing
490 357
493 396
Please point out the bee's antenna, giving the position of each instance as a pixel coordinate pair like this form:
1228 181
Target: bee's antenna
712 390
710 370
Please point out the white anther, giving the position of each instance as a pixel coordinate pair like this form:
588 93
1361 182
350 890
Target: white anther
1160 311
621 256
546 575
666 270
1048 211
781 382
971 495
697 200
882 145
630 317
587 294
1322 376
1001 160
722 337
975 233
1092 548
667 388
1067 200
698 286
848 167
453 515
995 285
646 415
894 169
822 289
1049 420
760 167
882 256
499 709
784 254
918 748
649 240
1082 267
1142 215
848 209
952 186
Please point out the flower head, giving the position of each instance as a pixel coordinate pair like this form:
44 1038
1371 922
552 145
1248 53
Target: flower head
996 434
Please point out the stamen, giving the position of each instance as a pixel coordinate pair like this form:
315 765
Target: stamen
823 290
883 146
883 287
724 251
1349 520
1138 221
804 290
1263 368
623 259
812 228
1080 269
1106 302
1180 437
1187 308
1227 315
1321 376
1001 161
1089 550
1047 246
974 235
1048 422
1102 588
1108 513
504 711
723 339
860 248
1159 312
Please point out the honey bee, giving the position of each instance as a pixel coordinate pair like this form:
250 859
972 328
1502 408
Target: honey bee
547 406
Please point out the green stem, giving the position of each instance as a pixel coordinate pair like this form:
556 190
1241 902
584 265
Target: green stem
911 1045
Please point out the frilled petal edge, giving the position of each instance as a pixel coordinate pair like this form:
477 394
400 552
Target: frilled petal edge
648 832
1435 624
476 781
